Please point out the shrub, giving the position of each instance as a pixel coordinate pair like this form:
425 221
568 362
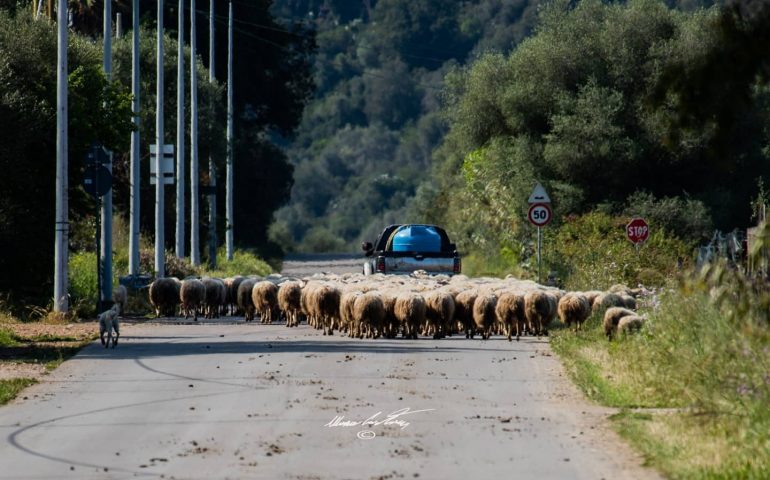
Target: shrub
592 252
82 283
244 263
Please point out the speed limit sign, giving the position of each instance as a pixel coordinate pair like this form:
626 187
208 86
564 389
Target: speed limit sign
540 214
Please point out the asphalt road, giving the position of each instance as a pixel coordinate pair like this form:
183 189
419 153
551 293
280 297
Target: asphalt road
233 400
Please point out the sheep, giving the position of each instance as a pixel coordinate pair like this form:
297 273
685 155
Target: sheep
464 311
612 317
629 302
630 324
484 314
510 313
327 306
347 302
307 306
605 301
289 294
368 314
538 310
265 298
591 295
574 308
390 322
439 313
231 295
245 303
164 296
214 296
409 309
192 295
109 322
120 296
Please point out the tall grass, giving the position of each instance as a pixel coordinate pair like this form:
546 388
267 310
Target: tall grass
693 356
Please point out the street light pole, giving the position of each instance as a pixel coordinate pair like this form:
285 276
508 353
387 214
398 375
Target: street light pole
230 172
212 168
180 167
195 255
133 234
106 244
159 140
61 254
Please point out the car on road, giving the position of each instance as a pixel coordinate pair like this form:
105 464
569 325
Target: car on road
403 249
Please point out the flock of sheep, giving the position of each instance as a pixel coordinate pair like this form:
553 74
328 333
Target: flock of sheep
388 305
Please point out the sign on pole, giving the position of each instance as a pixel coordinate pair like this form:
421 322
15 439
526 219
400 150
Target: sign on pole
540 214
539 195
637 231
167 164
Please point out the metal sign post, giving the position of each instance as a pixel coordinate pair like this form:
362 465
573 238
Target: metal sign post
98 182
539 215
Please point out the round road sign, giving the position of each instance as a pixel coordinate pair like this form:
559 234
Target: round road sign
540 214
97 180
637 231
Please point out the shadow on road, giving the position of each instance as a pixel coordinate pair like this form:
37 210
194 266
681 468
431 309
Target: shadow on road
130 348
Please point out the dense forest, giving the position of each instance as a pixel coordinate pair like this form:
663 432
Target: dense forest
450 111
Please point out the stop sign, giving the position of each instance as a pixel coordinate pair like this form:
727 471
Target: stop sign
637 231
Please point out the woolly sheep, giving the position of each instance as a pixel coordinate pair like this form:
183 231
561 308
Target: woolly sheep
629 302
409 309
214 297
538 310
630 324
120 296
193 295
368 314
265 298
612 317
439 313
245 303
574 308
464 310
607 300
510 314
484 314
327 304
347 302
164 296
289 294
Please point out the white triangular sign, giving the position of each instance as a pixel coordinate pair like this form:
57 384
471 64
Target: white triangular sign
539 195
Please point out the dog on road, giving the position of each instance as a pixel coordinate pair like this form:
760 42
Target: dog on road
109 323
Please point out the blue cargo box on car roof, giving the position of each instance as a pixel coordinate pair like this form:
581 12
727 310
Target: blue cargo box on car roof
416 238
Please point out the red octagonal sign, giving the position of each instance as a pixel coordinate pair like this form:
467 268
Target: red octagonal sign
637 231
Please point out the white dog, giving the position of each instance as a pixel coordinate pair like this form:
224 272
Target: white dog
108 321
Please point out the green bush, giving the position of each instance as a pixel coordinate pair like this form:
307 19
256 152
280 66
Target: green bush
82 283
243 263
592 252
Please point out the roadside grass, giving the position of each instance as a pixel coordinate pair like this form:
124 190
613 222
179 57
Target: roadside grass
693 386
9 389
47 349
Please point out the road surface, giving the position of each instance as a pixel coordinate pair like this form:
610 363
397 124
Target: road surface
234 400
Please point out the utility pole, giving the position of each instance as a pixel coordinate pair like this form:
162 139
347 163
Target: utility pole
133 234
118 25
229 207
160 253
60 294
106 250
212 168
180 167
195 254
